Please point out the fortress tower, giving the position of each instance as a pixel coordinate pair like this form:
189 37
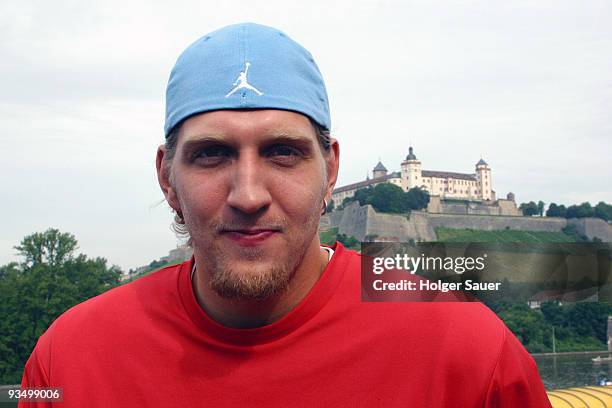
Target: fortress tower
411 171
483 178
379 171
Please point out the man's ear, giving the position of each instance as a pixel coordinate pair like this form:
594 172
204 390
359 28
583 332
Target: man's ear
332 165
163 177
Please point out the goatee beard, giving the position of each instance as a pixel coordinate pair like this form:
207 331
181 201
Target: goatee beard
257 283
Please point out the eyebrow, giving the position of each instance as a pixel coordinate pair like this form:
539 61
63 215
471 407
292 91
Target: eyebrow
288 137
276 137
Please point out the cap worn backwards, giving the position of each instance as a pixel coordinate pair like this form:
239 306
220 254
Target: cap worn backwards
245 66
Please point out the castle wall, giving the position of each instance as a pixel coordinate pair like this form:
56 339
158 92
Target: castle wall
361 222
490 223
422 225
501 207
435 204
592 227
389 227
353 220
482 209
508 207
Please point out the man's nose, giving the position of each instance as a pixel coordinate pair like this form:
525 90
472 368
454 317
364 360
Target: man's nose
248 191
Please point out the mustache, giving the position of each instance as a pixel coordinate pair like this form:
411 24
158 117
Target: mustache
242 225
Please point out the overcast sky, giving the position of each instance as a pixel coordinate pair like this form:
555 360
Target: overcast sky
527 85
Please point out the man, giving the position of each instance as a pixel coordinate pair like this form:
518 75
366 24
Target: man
262 315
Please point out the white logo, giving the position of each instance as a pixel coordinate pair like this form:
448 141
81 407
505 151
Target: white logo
242 82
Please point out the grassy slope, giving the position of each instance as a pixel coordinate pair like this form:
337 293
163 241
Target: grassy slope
328 237
470 235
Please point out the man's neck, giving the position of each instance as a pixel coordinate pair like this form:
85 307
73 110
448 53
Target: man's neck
252 313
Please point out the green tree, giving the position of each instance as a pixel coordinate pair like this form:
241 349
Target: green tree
541 205
554 313
50 280
555 210
389 198
580 211
330 207
529 209
529 326
603 211
417 198
364 195
50 247
589 319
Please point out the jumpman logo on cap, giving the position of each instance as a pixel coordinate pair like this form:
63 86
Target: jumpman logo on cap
242 82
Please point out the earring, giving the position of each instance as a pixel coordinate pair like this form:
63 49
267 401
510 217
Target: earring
324 207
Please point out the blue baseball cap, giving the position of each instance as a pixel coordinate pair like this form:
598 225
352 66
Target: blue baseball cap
245 66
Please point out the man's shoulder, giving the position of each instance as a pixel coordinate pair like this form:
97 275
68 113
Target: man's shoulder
465 321
121 304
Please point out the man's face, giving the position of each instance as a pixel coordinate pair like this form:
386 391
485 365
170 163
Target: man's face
250 186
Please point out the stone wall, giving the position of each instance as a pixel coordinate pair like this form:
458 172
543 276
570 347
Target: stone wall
365 223
592 227
499 207
388 227
423 228
508 207
501 222
362 222
352 221
435 204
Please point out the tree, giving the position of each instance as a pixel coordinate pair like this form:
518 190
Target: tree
541 205
50 280
580 211
603 211
528 325
330 207
553 313
555 210
346 201
389 198
50 247
529 209
589 319
417 198
364 195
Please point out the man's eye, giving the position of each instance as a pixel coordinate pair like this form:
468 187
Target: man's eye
212 155
283 150
213 151
284 155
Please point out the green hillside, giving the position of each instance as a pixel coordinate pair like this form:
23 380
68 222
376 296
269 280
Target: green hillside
470 235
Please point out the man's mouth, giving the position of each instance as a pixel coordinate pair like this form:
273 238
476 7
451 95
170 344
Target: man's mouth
250 236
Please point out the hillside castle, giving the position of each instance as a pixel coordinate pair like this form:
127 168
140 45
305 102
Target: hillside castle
473 190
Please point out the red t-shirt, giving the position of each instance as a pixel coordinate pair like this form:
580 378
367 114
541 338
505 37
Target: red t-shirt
149 344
